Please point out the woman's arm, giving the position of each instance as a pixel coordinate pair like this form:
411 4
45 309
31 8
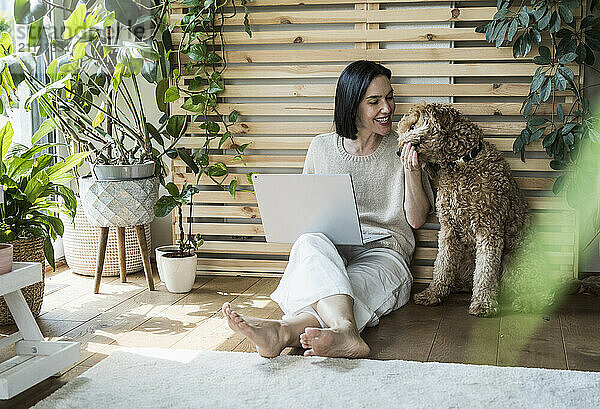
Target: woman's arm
416 203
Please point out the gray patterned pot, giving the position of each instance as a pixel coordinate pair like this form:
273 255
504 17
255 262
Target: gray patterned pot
119 203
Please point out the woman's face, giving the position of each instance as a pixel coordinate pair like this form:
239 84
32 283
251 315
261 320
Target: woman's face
376 109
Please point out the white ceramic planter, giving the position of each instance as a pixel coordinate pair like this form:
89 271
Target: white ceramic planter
179 274
159 252
6 257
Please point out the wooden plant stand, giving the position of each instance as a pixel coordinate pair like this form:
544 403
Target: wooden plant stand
36 358
141 236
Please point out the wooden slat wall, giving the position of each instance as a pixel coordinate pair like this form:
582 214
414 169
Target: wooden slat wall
282 81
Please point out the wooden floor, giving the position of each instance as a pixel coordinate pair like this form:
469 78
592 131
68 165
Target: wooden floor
131 316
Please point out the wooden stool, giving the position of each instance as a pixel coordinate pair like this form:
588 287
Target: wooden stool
141 236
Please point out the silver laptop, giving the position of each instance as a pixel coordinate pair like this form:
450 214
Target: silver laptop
291 205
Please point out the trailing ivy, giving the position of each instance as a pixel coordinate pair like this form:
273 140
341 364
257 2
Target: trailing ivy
202 43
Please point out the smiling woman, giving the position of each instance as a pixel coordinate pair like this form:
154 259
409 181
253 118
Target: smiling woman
330 293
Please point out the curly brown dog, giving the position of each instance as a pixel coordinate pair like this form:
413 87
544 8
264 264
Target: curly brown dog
482 213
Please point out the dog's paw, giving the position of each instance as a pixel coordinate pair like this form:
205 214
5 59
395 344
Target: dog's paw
486 308
428 297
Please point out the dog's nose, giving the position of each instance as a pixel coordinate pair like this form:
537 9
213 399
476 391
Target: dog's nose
399 152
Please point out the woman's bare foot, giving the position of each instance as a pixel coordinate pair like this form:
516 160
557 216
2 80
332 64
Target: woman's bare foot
268 335
334 342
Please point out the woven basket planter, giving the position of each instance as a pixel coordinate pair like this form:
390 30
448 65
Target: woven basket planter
81 247
28 250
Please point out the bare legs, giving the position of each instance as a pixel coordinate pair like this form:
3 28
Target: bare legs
341 339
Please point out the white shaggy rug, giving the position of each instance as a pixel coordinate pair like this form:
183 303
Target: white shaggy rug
193 379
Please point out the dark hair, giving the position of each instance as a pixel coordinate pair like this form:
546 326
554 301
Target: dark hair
351 88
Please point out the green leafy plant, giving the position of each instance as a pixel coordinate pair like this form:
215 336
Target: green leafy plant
201 57
33 187
93 95
562 42
176 199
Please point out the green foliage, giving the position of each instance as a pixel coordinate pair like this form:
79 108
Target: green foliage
176 199
93 97
31 187
572 43
202 42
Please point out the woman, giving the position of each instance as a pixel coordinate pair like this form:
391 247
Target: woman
329 293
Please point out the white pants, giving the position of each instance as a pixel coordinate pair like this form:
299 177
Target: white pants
378 279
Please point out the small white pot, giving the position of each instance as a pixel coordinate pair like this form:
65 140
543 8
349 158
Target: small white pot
159 252
179 273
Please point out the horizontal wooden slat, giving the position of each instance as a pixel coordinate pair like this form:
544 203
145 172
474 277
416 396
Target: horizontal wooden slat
326 109
246 247
349 36
390 54
297 162
313 128
430 254
240 264
524 183
270 266
423 235
228 229
423 274
566 220
512 69
559 238
369 16
263 3
535 203
400 90
284 143
421 15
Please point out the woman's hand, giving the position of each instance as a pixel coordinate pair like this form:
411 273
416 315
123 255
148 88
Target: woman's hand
410 158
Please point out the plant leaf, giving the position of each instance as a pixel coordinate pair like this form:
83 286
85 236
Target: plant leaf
6 135
28 11
188 160
164 206
232 186
75 22
175 125
45 128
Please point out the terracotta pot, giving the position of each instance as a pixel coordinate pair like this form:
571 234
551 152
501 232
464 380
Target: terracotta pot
6 258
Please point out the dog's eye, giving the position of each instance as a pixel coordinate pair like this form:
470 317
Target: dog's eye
412 127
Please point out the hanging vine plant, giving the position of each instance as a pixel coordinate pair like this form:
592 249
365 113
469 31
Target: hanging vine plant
562 41
570 133
202 42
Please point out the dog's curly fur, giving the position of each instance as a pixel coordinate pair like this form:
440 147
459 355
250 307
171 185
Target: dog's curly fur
482 212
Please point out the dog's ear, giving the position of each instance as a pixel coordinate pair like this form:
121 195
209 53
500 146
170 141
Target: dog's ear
445 116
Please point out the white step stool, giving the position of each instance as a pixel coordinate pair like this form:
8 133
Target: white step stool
36 358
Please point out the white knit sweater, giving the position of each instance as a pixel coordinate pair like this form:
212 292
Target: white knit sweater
378 181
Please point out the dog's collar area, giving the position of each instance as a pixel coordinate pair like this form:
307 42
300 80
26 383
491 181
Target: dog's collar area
468 156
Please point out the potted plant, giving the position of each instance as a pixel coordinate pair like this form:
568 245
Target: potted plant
32 186
177 266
